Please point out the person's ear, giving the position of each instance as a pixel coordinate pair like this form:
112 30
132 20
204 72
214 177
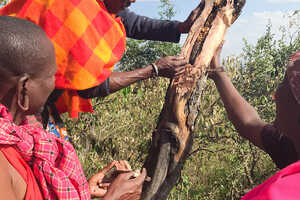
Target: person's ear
22 93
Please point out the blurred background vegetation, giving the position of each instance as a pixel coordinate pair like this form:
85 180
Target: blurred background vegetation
222 165
3 2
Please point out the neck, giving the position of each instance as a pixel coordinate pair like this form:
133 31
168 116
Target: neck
17 117
11 105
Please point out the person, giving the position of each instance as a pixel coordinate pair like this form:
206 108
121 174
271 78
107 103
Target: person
35 164
86 51
279 139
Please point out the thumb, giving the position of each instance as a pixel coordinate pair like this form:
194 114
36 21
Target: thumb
99 176
142 176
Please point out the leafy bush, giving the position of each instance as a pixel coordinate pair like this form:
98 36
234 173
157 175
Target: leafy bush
222 165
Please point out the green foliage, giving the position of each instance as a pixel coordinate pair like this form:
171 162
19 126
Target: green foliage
120 127
166 10
3 2
222 165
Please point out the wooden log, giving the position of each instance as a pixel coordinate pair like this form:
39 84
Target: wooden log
172 140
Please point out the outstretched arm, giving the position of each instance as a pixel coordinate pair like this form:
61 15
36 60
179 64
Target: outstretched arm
169 67
145 28
243 116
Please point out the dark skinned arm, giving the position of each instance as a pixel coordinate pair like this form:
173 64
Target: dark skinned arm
119 80
243 116
168 67
144 28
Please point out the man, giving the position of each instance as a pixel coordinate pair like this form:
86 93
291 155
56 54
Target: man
80 73
280 139
33 163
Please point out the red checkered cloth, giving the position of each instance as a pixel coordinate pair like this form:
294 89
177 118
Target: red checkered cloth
53 161
88 42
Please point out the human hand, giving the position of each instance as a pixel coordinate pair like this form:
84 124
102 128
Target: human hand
171 66
124 187
215 65
215 62
97 183
184 27
123 166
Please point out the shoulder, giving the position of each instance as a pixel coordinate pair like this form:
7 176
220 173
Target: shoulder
6 186
280 148
125 13
271 136
4 169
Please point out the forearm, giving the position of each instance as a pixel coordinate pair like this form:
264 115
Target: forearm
119 80
109 197
243 116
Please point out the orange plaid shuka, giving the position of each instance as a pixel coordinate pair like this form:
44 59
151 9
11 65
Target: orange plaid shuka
88 42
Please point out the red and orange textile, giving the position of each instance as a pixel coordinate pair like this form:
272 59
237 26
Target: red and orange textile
53 161
88 42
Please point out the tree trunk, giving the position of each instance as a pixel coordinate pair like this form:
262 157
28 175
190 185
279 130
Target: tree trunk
173 138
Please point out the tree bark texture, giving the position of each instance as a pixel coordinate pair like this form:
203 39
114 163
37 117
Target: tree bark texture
172 140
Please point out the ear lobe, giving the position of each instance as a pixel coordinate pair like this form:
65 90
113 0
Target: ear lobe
22 93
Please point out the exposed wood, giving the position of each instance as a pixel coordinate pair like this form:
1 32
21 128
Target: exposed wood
172 140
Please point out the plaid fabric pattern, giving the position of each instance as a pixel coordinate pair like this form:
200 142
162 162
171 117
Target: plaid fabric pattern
53 161
88 42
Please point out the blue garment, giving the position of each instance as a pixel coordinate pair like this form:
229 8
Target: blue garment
59 132
145 28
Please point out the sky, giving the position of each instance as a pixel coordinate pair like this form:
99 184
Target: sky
250 25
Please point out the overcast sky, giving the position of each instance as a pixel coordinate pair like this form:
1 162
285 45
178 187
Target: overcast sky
250 25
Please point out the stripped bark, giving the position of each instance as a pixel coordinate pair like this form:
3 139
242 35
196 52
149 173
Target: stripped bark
172 140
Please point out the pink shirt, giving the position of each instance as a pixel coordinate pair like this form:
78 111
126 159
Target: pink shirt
284 185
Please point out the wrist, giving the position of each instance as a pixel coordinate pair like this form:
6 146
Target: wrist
109 196
155 71
216 73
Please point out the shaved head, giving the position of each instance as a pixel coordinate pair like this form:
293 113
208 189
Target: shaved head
24 47
27 67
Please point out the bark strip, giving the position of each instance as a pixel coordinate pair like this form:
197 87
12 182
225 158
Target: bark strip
173 138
